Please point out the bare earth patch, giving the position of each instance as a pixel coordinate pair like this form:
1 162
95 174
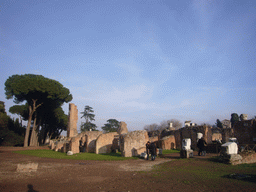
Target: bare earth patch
82 175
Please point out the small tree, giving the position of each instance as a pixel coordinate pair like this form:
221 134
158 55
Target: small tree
111 126
151 127
219 124
234 118
89 116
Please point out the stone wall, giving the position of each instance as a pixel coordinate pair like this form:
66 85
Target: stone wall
245 131
191 132
72 120
74 145
133 142
153 139
226 134
90 140
216 136
168 142
105 142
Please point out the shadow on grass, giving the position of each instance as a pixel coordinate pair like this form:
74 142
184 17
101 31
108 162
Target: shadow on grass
116 155
112 154
242 177
215 159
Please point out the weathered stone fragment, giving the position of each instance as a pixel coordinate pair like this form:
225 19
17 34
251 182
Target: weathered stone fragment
186 153
29 167
122 128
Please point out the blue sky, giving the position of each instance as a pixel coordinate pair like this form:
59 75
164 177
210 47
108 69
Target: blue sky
141 62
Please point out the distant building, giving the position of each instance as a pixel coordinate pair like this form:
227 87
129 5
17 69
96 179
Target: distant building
189 124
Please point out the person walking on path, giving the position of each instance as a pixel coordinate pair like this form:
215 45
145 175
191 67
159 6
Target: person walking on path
147 149
201 144
153 151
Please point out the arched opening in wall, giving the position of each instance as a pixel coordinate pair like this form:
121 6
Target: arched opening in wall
172 145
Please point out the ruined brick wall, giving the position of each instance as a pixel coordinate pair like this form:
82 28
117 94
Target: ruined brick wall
74 145
132 142
245 131
153 139
191 132
104 143
226 134
72 120
168 142
91 136
216 136
178 139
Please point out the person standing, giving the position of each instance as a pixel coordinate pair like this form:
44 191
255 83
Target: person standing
201 144
147 149
153 151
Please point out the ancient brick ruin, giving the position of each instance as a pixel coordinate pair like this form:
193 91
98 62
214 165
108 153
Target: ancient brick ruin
72 120
133 143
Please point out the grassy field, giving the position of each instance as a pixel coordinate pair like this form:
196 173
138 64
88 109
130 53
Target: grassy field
79 156
208 173
82 156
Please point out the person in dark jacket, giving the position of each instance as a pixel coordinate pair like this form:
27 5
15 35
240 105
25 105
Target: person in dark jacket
147 149
152 148
201 144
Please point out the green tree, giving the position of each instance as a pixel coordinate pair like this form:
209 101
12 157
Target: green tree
52 123
89 116
10 130
20 110
36 90
111 126
219 124
234 118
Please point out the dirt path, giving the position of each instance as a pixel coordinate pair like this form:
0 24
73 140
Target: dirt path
68 175
129 175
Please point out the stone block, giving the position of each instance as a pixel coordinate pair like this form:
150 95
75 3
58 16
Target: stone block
186 153
29 167
143 155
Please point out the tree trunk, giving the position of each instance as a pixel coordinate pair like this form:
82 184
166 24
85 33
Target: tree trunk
28 128
33 135
32 109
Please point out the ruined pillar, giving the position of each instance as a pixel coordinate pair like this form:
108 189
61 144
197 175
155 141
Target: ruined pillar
72 120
